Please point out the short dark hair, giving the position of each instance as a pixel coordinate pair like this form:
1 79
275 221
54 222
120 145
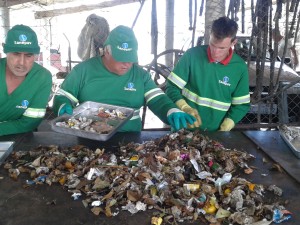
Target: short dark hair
224 27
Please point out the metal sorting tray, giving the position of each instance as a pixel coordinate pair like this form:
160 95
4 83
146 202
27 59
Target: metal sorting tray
6 148
292 141
89 110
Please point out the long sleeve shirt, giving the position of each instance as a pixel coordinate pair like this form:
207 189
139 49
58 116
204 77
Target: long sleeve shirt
217 90
91 81
23 109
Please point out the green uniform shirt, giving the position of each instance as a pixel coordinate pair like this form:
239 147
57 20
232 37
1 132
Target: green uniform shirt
91 81
215 90
23 109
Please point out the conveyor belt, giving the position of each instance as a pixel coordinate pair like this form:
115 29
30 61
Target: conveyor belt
47 205
275 147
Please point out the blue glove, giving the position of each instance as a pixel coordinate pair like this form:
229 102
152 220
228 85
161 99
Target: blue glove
178 119
65 109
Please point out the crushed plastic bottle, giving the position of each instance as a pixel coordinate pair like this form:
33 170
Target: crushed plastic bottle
221 181
279 217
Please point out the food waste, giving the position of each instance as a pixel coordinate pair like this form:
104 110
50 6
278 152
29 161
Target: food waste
102 121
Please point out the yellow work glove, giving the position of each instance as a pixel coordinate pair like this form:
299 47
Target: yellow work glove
227 124
181 104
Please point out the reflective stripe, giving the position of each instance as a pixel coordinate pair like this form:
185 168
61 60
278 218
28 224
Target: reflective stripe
241 100
68 95
34 113
153 93
211 103
176 80
61 108
136 115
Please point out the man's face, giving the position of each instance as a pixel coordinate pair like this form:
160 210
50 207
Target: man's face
19 63
119 68
219 49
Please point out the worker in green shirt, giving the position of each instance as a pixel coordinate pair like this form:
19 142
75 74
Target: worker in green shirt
24 85
211 81
115 78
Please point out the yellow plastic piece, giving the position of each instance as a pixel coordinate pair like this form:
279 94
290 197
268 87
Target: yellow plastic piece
156 220
210 209
227 191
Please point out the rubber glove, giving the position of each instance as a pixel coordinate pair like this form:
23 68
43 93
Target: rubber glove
227 124
178 119
182 104
65 109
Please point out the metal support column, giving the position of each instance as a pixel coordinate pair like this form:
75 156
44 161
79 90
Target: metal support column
4 24
283 113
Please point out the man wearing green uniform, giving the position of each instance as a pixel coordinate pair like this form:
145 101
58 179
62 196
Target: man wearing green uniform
25 85
211 82
116 79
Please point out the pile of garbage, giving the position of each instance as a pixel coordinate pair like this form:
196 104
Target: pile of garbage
184 175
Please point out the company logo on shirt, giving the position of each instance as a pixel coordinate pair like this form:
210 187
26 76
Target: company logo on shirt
130 87
225 81
24 105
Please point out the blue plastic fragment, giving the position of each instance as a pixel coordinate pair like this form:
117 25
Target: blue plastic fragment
76 196
279 217
40 179
30 182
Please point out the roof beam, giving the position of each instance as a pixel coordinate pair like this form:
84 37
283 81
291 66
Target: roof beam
8 3
76 9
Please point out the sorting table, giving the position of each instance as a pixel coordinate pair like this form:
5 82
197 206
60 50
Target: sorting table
43 204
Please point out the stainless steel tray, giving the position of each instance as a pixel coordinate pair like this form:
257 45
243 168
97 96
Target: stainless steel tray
6 148
291 135
89 110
